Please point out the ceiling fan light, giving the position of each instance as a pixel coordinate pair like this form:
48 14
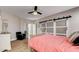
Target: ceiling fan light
35 13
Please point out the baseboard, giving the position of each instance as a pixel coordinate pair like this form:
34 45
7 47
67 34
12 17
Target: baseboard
13 39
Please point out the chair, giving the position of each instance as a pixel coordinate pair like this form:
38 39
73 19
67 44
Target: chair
20 36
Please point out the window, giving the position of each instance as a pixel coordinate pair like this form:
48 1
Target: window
61 23
58 27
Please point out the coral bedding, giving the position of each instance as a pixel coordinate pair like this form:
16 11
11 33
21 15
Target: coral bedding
51 43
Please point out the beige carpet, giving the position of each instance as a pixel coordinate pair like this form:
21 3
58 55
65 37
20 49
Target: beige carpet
19 46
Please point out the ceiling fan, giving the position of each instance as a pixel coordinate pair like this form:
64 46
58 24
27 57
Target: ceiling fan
35 12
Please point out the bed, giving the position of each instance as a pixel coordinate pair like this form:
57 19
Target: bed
51 43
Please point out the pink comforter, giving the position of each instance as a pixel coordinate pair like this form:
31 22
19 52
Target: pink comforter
50 43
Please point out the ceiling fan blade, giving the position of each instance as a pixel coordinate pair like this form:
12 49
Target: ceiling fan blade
35 11
39 13
35 8
31 12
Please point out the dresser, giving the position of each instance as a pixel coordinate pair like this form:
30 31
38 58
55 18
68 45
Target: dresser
5 43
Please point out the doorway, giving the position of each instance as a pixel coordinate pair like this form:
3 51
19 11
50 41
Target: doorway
31 30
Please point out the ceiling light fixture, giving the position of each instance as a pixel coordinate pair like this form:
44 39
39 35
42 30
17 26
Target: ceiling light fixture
35 13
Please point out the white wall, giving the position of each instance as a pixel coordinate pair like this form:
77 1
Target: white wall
73 22
0 25
24 25
13 24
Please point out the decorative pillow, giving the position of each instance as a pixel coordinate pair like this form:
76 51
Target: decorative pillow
76 41
73 36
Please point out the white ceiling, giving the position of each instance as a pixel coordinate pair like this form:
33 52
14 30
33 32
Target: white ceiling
22 11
